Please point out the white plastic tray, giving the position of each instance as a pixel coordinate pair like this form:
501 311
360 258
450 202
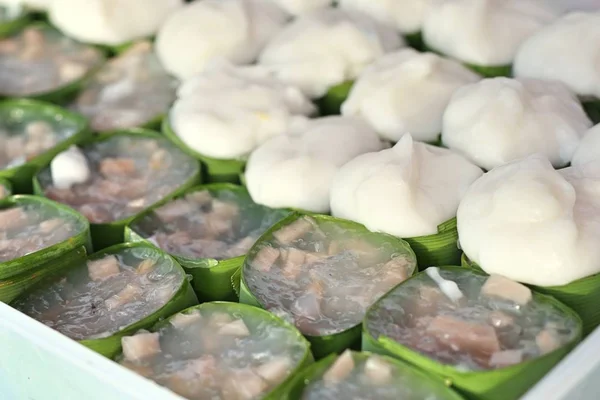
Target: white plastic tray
38 363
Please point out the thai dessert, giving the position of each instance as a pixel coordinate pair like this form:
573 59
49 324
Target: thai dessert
296 170
30 129
104 296
353 375
533 224
406 191
484 33
258 108
208 223
28 226
566 50
407 16
323 274
499 120
219 350
116 177
326 48
407 92
589 148
235 30
472 322
110 22
39 59
300 7
131 90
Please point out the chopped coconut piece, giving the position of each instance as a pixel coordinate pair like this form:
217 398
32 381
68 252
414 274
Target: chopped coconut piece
182 321
140 346
378 370
265 258
235 328
275 370
502 287
506 358
103 268
340 369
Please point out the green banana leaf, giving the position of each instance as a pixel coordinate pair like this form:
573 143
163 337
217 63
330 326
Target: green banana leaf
111 346
15 112
582 295
5 188
316 371
109 234
215 170
507 383
258 317
331 103
19 274
592 108
439 249
325 344
7 28
63 94
212 278
487 71
415 40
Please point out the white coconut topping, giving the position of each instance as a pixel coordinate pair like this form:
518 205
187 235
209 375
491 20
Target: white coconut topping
201 31
226 112
589 148
448 287
567 50
405 15
298 7
297 169
405 191
499 120
110 22
484 32
69 168
407 92
325 48
533 224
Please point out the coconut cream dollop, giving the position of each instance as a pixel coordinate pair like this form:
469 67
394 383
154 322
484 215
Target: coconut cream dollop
406 191
495 121
407 91
534 224
296 170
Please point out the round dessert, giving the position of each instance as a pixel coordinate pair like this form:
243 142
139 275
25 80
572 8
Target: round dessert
131 90
218 351
296 170
328 47
235 30
407 92
39 60
355 375
499 120
106 295
117 176
470 321
323 273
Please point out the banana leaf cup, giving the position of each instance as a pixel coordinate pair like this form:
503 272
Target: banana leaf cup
215 170
40 244
238 348
29 46
592 108
211 275
9 23
105 234
331 103
153 266
336 257
5 189
504 380
48 123
410 382
438 249
583 296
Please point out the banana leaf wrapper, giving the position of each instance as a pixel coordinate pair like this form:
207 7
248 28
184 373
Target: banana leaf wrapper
212 279
582 295
61 95
325 344
316 371
109 234
439 249
23 110
215 170
592 108
508 383
331 103
258 316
